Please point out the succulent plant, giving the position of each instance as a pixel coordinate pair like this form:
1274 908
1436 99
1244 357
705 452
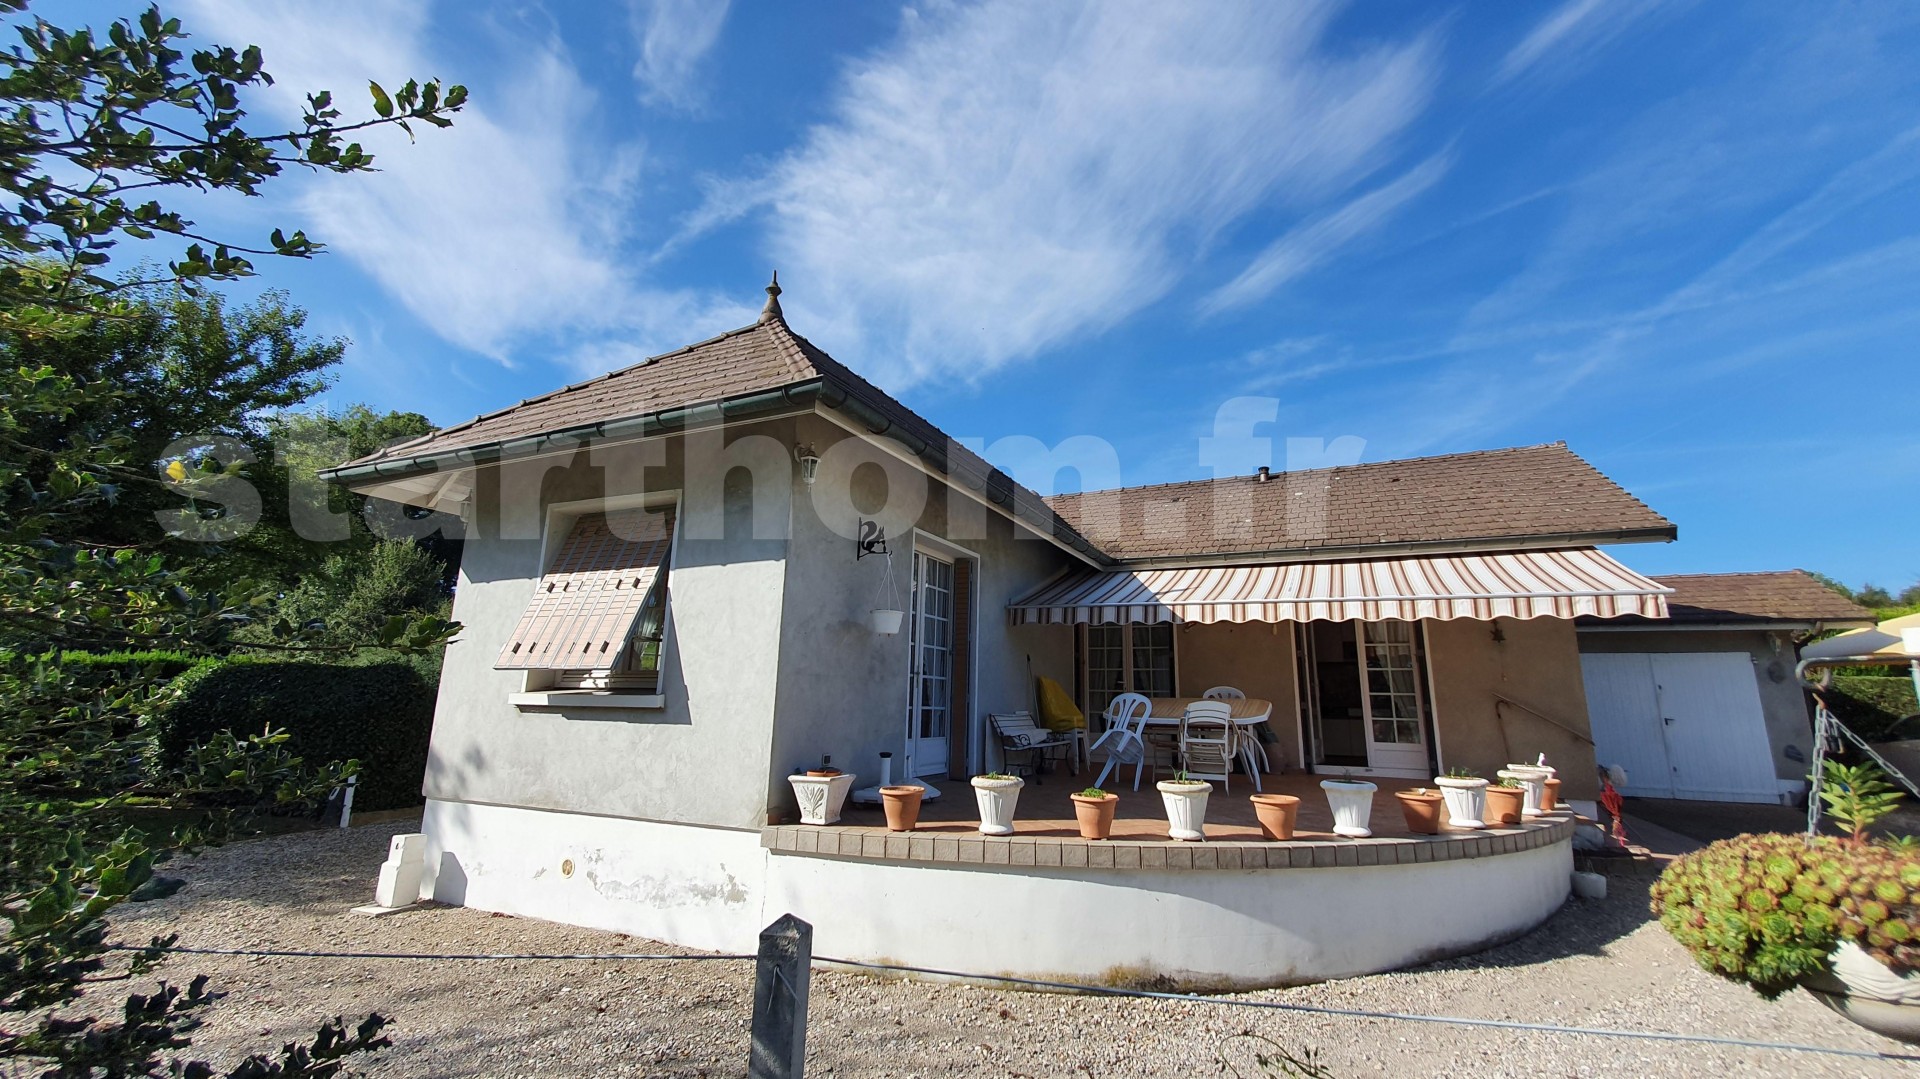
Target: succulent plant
1768 910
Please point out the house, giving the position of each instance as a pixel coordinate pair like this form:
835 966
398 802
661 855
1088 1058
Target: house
666 594
1704 704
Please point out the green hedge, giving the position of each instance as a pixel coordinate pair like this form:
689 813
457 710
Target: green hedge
1874 705
378 712
158 664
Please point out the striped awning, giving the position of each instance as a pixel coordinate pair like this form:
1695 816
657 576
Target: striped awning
584 608
1521 584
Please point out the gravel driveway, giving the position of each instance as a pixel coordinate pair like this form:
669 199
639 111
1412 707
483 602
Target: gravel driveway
1594 964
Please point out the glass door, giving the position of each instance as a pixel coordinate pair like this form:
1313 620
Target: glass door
1390 695
931 648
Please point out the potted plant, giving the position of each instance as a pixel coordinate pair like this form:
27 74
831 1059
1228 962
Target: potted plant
1276 813
1421 807
1352 803
1094 808
823 769
902 803
1466 797
1839 916
1533 785
1550 798
997 795
1186 802
1505 802
821 793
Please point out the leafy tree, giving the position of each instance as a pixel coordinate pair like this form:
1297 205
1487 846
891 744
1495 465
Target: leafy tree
95 133
352 597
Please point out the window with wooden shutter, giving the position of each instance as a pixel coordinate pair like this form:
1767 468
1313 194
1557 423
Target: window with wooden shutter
598 614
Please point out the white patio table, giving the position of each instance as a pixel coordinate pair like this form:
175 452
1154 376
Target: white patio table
1246 712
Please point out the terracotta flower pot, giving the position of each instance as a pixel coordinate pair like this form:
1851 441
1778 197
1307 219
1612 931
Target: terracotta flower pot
1422 810
1095 815
1504 805
902 804
1277 812
1550 801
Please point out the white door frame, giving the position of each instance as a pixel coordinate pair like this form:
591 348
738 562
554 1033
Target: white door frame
1407 760
922 756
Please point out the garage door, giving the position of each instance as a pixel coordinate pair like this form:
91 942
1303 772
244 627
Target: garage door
1683 724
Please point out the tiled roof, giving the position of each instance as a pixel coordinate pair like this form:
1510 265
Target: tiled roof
764 356
1534 493
1531 493
1730 598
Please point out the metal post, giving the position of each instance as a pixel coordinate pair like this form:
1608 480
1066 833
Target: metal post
346 802
780 979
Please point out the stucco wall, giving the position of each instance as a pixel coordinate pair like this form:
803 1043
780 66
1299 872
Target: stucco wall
1537 663
844 690
700 759
1789 723
1254 657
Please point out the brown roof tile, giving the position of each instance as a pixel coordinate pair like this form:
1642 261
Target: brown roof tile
1530 493
1781 596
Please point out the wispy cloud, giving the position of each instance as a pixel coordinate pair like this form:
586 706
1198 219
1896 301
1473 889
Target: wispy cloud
1318 240
1571 35
504 233
674 36
1007 175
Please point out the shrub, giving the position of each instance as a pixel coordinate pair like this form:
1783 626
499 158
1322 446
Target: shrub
1873 705
1768 910
377 711
156 664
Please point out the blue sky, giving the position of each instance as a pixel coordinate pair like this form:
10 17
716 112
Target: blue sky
1682 237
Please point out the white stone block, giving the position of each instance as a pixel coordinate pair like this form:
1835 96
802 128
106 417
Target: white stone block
400 875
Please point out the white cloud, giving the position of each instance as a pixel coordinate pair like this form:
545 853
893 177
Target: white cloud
1314 242
503 233
1571 34
1007 175
673 37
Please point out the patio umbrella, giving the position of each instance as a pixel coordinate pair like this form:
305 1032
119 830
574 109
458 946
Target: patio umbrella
1897 640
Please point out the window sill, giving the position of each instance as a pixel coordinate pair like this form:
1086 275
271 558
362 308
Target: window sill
586 698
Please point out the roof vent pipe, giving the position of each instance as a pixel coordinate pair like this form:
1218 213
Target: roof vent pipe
1264 474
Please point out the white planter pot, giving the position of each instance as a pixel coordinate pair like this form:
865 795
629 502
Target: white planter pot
997 798
1466 800
1352 802
821 797
1186 807
886 623
1861 988
1533 786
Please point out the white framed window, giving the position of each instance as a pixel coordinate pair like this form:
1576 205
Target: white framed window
596 629
1115 659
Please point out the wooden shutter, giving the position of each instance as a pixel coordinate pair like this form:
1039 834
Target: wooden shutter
584 607
961 727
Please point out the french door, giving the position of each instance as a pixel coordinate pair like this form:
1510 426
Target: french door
930 713
1133 658
1390 695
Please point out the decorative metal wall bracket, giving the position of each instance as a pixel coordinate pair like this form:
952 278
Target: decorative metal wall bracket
872 540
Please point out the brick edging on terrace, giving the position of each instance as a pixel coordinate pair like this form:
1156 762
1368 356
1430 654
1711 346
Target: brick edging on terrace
1072 852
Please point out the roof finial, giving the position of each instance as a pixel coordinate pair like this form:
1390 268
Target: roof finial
772 310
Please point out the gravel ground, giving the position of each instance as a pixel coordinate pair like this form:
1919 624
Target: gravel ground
1594 964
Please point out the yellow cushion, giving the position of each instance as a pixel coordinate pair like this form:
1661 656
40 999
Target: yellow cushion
1057 710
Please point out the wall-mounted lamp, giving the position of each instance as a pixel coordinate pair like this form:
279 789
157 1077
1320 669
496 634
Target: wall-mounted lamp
809 462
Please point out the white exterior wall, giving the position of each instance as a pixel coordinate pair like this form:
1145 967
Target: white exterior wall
1215 929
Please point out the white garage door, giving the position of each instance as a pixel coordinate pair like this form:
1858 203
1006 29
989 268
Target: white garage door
1683 724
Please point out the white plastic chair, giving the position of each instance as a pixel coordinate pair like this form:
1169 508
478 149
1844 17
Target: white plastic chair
1126 718
1207 742
1247 747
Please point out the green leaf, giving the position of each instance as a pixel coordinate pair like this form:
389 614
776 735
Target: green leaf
382 104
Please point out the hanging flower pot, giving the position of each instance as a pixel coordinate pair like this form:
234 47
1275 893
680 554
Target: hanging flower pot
1276 813
1466 797
886 623
1421 807
1094 808
902 803
997 795
1352 804
1186 802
